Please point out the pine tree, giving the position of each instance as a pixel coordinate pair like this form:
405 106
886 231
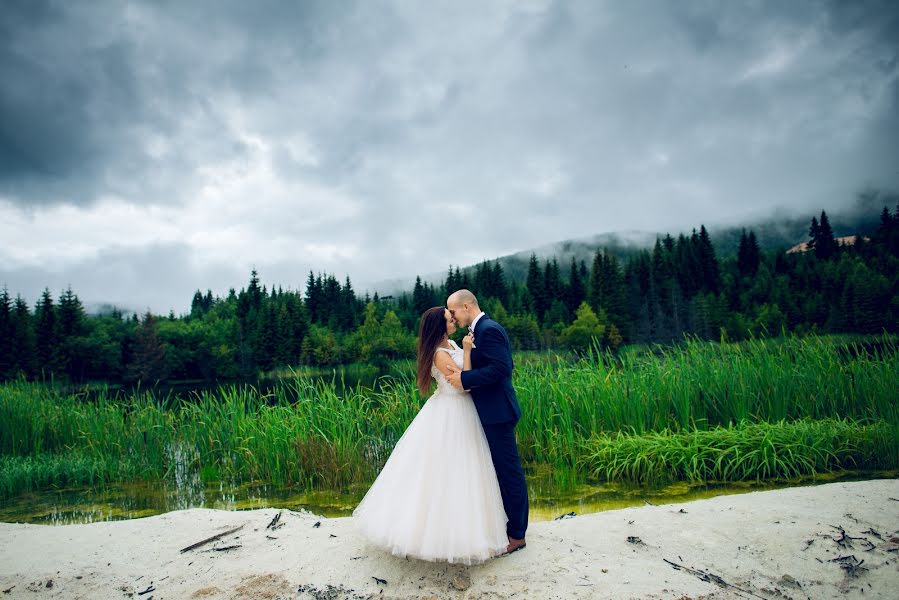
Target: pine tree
481 285
888 232
660 298
814 232
48 335
686 264
462 279
535 289
7 332
748 254
329 309
197 308
668 243
254 292
313 290
501 290
607 290
73 327
299 326
742 255
822 240
596 286
552 282
148 362
755 253
421 299
576 290
886 221
710 273
451 284
267 338
23 343
825 246
348 308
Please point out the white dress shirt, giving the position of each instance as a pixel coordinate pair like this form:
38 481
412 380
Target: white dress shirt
475 322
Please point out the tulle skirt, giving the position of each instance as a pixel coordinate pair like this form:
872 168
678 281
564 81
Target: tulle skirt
437 497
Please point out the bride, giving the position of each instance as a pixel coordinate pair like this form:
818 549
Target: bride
437 497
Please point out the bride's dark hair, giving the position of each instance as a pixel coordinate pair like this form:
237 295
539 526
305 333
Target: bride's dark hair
431 330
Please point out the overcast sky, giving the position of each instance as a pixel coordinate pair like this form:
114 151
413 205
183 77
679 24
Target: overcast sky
148 149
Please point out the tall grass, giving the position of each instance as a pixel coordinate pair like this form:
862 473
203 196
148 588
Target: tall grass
701 385
739 452
599 416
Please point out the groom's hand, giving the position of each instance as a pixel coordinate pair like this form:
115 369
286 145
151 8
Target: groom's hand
455 377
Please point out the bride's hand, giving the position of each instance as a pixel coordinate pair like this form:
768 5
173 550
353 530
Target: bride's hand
468 341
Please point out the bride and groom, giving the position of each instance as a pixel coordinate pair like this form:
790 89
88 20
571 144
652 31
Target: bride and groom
453 489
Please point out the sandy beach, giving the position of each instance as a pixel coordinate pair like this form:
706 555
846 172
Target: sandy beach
838 540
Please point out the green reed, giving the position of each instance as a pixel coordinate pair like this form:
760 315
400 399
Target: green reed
740 452
316 433
33 473
701 385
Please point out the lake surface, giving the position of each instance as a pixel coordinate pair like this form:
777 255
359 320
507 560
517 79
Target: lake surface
144 499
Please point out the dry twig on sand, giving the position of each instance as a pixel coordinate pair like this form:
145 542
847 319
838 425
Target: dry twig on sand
210 539
709 577
275 524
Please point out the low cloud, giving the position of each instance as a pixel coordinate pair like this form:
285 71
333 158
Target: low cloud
189 142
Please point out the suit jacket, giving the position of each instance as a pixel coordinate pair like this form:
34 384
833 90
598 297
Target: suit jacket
490 377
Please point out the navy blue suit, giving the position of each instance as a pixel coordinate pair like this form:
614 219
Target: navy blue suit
490 383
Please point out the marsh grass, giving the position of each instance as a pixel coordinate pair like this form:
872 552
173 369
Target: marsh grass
33 473
603 415
745 451
700 385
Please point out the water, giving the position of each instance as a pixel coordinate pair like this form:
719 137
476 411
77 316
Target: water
548 501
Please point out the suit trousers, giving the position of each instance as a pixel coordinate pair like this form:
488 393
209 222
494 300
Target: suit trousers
510 475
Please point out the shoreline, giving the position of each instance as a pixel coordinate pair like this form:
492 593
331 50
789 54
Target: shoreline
779 544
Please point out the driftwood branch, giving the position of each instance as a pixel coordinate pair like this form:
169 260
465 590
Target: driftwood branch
274 524
871 531
211 539
850 564
710 578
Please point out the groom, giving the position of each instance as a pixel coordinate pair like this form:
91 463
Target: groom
490 383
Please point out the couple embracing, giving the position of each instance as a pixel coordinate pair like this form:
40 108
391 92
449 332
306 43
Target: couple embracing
453 489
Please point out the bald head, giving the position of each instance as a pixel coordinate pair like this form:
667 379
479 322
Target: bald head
464 307
462 297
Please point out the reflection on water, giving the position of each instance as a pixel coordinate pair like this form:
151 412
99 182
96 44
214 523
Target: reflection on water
144 499
610 496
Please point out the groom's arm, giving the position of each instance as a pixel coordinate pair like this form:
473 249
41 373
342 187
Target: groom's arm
492 346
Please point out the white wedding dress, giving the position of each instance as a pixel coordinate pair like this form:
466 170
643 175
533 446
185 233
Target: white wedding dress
437 497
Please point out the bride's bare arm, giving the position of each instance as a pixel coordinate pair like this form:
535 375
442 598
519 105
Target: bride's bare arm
442 361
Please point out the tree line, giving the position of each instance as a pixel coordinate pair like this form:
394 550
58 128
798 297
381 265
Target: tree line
679 287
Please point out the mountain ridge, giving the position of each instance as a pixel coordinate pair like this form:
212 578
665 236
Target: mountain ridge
772 233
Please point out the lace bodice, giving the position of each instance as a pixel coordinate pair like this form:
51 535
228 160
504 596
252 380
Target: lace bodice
458 355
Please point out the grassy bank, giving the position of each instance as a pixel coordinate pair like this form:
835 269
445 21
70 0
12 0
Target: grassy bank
701 410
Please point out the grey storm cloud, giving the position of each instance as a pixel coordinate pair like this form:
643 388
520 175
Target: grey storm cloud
384 139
